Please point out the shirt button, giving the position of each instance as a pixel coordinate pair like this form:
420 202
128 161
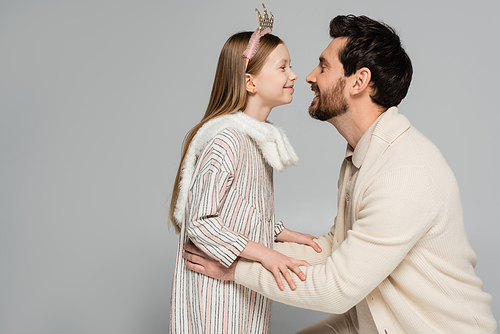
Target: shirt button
347 197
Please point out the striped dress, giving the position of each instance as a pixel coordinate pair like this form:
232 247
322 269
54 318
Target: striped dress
230 201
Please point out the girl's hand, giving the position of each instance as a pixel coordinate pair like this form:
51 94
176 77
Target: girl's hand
275 262
299 238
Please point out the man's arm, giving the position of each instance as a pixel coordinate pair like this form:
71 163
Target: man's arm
204 264
396 211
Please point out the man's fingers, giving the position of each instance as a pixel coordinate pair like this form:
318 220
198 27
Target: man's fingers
195 267
189 247
314 245
194 258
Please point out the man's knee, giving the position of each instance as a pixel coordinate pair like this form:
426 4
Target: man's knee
334 324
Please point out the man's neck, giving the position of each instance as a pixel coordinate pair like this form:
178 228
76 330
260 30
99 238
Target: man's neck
354 123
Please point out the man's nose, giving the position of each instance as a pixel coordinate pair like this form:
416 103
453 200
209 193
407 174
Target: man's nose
311 78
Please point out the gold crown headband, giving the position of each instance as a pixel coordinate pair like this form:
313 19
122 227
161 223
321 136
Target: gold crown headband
265 27
265 21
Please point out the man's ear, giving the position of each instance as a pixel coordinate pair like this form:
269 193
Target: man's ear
250 84
361 81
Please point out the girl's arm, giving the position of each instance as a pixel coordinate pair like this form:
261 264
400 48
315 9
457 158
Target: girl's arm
207 231
275 262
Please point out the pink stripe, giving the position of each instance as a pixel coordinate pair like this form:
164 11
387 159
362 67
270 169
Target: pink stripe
209 294
250 169
188 304
205 158
241 308
240 153
267 236
248 220
235 214
202 189
223 190
267 313
260 182
226 292
214 197
200 292
252 303
218 241
227 149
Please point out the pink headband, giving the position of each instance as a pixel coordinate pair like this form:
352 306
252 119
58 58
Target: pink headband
253 44
265 27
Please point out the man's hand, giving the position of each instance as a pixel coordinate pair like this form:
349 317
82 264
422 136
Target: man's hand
200 262
299 238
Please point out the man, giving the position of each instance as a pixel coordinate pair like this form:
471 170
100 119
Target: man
397 259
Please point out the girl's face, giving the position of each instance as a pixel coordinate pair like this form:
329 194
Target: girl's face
274 83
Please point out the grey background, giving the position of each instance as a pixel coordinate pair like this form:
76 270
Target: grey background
96 97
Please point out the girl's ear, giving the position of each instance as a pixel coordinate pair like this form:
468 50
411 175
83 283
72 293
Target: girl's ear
361 81
250 84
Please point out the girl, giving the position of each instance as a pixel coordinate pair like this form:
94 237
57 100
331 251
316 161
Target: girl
222 199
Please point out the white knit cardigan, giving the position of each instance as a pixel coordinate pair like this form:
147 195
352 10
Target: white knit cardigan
271 140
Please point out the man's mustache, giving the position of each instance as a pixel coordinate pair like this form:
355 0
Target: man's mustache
314 88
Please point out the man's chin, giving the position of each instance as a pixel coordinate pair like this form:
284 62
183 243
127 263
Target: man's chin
313 109
318 114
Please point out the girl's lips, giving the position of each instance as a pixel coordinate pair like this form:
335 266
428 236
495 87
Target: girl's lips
290 87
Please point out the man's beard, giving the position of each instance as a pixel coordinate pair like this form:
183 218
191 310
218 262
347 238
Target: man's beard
331 103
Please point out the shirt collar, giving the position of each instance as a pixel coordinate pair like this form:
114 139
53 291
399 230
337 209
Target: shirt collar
357 155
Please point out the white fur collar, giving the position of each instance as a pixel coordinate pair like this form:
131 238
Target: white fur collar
272 142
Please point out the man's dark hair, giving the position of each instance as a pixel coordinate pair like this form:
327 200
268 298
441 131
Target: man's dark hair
374 45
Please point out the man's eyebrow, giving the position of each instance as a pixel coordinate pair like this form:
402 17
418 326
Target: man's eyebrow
323 60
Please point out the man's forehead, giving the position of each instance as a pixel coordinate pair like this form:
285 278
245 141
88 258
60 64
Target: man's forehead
332 50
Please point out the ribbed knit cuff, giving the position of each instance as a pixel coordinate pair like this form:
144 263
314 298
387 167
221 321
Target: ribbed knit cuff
242 270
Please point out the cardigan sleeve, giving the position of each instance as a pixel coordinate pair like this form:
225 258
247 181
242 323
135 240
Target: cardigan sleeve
397 209
204 225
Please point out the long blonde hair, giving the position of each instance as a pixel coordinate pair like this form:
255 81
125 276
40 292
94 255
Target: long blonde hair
228 92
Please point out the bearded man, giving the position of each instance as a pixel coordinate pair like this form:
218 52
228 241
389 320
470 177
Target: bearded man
397 259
